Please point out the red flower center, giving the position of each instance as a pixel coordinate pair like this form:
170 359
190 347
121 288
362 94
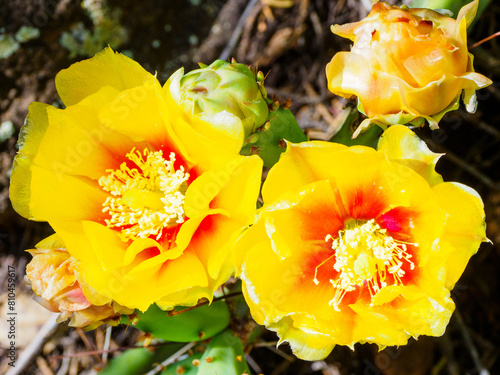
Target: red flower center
147 199
365 254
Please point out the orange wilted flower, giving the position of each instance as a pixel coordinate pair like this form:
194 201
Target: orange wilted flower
357 245
55 278
406 65
147 205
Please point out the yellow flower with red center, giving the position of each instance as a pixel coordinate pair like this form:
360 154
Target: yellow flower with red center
147 205
55 278
357 245
406 65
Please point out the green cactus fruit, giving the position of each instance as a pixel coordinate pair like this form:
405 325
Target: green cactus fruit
269 140
219 91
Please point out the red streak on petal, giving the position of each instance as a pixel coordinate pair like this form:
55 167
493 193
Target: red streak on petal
207 226
410 275
361 293
168 236
399 223
320 265
366 202
399 220
146 254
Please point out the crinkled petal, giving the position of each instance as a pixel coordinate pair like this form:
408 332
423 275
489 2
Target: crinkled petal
306 344
400 144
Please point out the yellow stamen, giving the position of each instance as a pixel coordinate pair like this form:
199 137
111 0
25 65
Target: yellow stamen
365 254
146 200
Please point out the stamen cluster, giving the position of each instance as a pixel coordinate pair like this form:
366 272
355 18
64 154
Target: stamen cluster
147 199
366 254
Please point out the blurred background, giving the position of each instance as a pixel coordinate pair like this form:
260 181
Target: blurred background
291 42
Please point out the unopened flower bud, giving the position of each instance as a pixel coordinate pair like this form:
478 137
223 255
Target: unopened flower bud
222 93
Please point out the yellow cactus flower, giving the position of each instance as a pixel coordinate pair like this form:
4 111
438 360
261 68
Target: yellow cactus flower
357 245
55 278
406 65
147 205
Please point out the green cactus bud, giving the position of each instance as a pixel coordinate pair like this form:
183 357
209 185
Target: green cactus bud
222 90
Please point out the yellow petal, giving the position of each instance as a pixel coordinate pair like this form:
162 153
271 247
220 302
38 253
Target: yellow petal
212 242
400 144
239 193
465 226
31 135
275 287
420 100
107 68
99 99
53 242
387 294
468 13
300 165
245 242
299 222
424 316
374 326
141 244
135 112
185 272
105 243
197 147
76 243
53 196
305 344
202 191
185 297
77 143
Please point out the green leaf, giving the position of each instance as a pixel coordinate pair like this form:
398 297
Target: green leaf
138 361
193 325
224 355
344 136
